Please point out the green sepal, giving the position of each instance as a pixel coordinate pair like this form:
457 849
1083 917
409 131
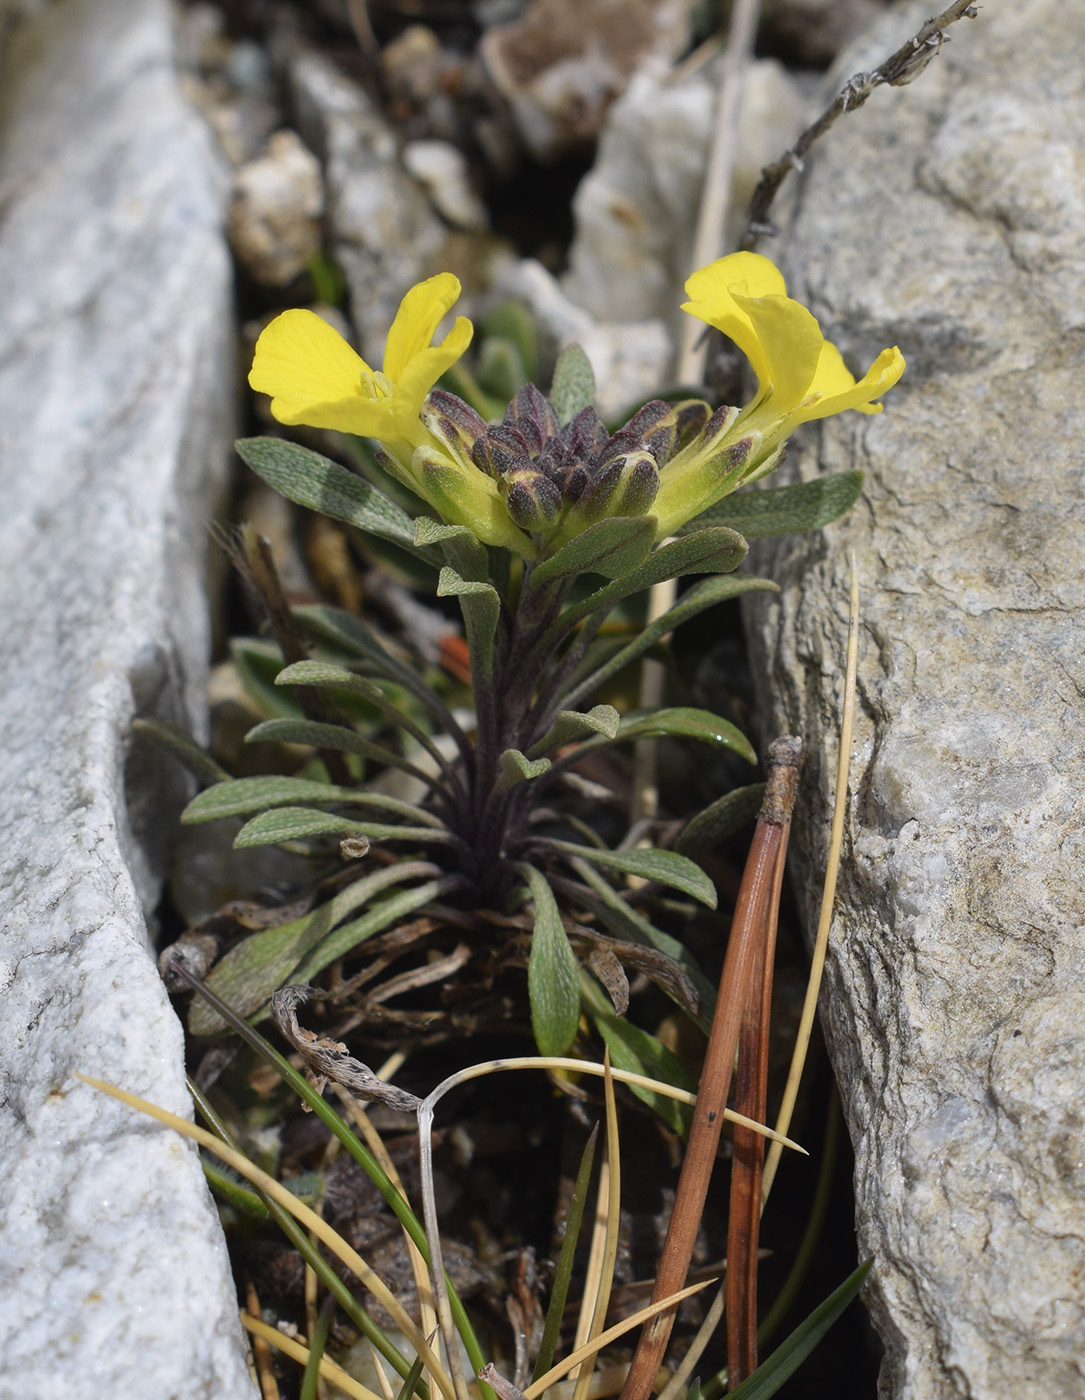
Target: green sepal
784 510
552 971
573 386
310 480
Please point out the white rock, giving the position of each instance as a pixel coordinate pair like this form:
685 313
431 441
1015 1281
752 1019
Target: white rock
631 360
441 169
950 216
636 211
275 209
383 231
116 367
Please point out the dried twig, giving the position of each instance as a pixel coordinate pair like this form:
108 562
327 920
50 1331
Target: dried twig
900 68
328 1059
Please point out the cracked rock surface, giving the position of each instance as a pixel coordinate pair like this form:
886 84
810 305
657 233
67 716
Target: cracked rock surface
954 1002
116 375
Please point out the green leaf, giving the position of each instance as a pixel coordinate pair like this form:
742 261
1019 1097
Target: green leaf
784 510
563 1271
790 1354
636 1050
459 546
516 768
573 386
239 796
298 823
715 551
183 747
257 664
574 724
705 594
313 481
481 607
681 721
552 980
721 819
320 673
666 867
251 971
612 546
343 740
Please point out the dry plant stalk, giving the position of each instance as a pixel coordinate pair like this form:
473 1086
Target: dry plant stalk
759 880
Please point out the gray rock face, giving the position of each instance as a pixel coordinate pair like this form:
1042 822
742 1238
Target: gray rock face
384 232
949 217
116 381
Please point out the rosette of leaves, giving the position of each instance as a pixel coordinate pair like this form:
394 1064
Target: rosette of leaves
489 832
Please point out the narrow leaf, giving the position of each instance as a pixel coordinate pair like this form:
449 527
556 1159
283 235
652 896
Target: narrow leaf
783 510
516 768
298 823
256 967
461 549
310 480
666 867
702 595
574 1215
683 722
481 607
183 747
574 724
715 551
721 819
611 547
636 1050
237 797
551 971
573 386
790 1354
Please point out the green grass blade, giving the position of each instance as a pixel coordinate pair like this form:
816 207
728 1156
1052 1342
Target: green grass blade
563 1272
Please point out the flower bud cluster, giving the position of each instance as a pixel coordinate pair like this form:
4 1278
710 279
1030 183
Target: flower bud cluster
555 476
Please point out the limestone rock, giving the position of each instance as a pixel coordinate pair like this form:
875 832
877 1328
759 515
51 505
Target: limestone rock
949 217
116 366
383 231
636 211
631 359
562 63
275 209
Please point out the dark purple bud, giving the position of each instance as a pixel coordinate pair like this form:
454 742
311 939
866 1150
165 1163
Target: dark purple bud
499 450
690 419
533 415
533 501
625 485
456 421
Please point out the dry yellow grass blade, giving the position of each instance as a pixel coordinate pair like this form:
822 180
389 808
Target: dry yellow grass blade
301 1213
610 1335
828 894
329 1371
605 1278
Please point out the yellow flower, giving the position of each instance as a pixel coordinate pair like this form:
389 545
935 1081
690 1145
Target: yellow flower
314 377
800 374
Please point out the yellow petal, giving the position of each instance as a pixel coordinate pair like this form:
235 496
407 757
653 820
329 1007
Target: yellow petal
842 391
422 372
790 344
313 376
420 313
712 289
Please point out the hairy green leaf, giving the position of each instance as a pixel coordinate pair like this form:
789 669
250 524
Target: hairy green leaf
252 970
612 546
239 796
573 386
666 867
298 823
516 768
551 971
721 819
574 724
783 510
481 607
636 1050
461 549
313 481
705 594
183 747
